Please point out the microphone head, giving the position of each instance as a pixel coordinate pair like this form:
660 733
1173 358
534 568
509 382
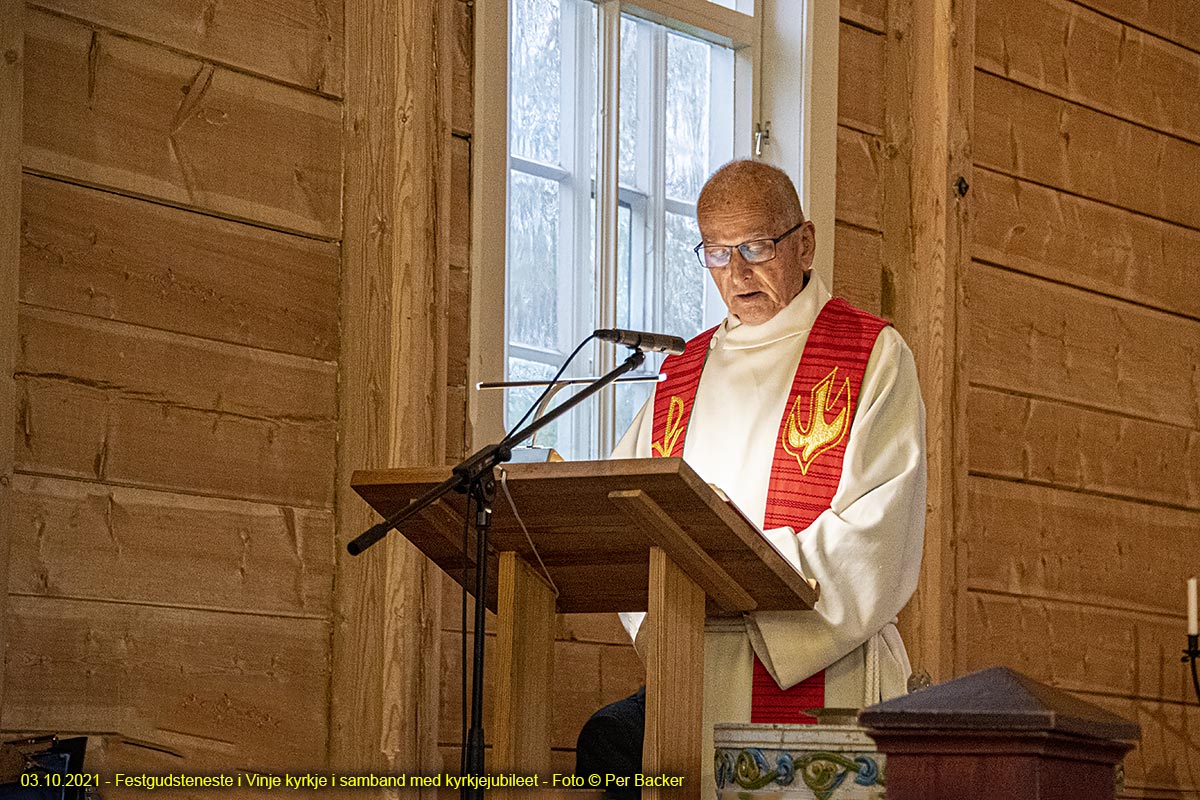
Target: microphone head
642 340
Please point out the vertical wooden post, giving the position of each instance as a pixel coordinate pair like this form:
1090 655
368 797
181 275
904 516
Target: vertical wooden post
12 61
929 61
674 678
386 648
525 618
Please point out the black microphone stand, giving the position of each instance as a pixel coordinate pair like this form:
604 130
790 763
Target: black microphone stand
476 475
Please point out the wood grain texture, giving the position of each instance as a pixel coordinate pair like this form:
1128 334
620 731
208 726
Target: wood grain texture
1027 540
1048 443
384 712
298 42
858 267
597 561
114 112
110 256
460 202
1031 135
252 683
112 402
599 628
87 540
1074 53
1166 760
662 529
169 368
859 193
191 755
463 113
1175 22
596 628
456 424
674 677
587 676
1080 648
525 669
80 431
12 67
458 323
929 65
870 14
1069 239
1035 337
860 79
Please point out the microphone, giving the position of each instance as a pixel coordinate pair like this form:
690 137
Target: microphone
640 340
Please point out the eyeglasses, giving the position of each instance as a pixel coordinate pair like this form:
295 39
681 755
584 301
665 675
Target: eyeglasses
755 251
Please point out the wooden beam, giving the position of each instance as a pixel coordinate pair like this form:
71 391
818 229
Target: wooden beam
141 120
1032 336
931 43
674 678
658 526
114 257
1034 440
249 684
297 42
525 657
1023 540
12 43
396 140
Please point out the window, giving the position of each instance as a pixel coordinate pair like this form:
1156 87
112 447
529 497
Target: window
565 171
675 126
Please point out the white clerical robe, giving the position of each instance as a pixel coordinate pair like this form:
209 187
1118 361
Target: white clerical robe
865 550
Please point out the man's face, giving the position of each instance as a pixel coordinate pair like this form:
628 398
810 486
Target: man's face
755 293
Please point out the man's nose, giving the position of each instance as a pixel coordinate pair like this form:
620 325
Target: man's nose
740 270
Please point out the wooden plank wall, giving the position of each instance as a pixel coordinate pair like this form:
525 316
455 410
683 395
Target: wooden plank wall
1082 318
862 154
12 68
172 552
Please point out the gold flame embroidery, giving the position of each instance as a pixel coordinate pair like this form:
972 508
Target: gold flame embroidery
806 442
674 428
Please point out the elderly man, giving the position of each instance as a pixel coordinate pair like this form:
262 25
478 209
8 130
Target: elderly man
807 413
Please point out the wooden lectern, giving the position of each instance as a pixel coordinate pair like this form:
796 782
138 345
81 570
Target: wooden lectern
623 535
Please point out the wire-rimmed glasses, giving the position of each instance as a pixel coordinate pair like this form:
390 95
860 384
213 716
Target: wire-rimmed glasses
754 251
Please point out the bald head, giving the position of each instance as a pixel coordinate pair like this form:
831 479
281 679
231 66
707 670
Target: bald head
748 201
751 187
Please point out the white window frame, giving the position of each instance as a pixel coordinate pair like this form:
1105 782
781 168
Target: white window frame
770 49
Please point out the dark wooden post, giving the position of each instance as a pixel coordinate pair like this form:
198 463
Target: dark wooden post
998 735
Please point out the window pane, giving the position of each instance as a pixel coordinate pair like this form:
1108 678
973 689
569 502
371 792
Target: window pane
630 398
683 280
519 400
625 295
533 261
687 116
629 122
535 78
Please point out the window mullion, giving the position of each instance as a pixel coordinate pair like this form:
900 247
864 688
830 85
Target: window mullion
656 208
608 62
578 110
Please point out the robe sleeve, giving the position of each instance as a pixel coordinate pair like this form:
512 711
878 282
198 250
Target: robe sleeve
865 550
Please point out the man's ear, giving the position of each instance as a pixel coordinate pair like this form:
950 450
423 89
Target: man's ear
808 245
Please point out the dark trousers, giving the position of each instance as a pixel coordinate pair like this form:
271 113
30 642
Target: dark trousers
611 741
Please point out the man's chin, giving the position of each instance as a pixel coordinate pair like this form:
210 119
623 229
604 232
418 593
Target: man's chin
753 313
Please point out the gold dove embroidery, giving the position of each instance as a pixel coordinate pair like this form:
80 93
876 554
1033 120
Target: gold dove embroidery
808 441
673 430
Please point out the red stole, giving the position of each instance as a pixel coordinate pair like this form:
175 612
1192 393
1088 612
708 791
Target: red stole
808 454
